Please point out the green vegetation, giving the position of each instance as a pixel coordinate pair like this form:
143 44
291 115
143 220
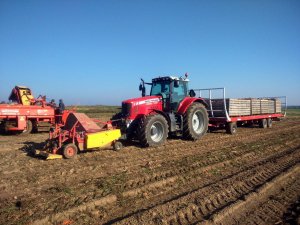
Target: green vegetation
293 112
104 113
95 109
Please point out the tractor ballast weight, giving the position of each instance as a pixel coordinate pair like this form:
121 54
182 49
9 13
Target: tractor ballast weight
171 108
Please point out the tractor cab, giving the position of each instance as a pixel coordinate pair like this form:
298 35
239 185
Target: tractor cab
172 90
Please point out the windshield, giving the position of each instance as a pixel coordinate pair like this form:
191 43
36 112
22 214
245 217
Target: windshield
161 87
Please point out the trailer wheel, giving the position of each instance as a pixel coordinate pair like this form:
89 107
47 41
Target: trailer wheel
231 128
195 122
28 128
153 130
70 151
263 123
117 146
269 122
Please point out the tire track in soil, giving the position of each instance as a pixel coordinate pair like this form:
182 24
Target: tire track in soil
265 205
165 180
193 207
157 183
134 162
92 205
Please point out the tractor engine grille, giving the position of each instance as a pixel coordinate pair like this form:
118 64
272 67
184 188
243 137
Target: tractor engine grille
126 107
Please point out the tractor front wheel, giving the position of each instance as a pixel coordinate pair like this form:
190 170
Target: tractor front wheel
195 122
153 130
70 151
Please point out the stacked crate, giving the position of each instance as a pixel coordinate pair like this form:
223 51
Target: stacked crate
244 106
238 106
277 106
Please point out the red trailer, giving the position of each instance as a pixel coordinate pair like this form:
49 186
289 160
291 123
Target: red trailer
25 114
229 113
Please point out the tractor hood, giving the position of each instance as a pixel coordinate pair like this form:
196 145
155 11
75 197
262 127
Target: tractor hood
133 108
148 100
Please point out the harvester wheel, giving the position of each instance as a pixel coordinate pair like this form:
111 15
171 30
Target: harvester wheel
153 130
263 123
2 128
231 128
117 146
269 122
195 122
28 128
70 151
35 127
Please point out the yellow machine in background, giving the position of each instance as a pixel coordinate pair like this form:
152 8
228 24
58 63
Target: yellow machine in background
21 95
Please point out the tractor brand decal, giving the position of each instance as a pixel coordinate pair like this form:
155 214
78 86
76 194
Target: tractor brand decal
10 111
148 102
42 111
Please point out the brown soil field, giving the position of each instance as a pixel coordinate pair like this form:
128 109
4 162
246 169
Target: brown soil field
252 177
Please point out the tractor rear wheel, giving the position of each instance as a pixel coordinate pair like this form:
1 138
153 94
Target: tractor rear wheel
195 122
153 130
69 151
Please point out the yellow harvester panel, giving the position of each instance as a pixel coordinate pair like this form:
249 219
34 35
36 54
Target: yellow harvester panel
102 138
26 96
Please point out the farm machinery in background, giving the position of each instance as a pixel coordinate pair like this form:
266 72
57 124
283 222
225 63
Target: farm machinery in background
25 114
173 109
170 109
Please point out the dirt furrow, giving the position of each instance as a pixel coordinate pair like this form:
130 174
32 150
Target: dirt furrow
267 205
181 182
240 189
202 203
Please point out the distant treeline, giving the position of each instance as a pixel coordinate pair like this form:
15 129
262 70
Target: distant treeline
294 107
96 109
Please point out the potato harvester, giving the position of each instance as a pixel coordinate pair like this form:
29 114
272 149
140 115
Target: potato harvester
80 133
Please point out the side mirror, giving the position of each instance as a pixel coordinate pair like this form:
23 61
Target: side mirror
176 83
192 93
142 88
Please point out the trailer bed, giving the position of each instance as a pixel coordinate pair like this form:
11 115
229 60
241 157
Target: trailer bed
222 110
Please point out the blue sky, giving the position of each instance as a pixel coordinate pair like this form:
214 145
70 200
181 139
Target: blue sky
95 52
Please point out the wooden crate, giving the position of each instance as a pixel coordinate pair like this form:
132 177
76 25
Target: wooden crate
244 106
277 106
238 107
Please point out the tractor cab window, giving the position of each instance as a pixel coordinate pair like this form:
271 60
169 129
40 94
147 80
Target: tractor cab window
161 88
179 92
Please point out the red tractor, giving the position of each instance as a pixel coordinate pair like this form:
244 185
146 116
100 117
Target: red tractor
171 108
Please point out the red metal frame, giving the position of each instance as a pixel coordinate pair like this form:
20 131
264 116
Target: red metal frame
245 118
